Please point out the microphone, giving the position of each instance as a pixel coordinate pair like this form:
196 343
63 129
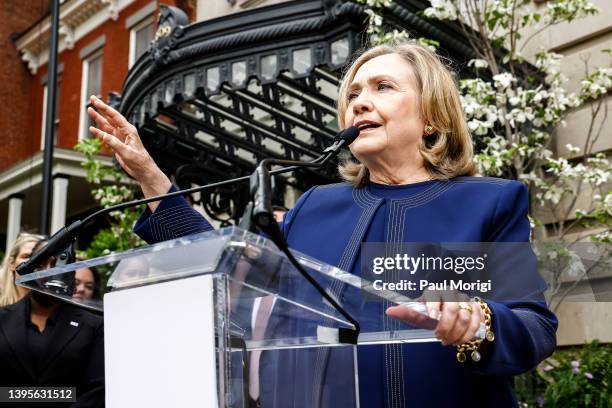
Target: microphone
261 189
64 237
343 138
57 243
348 135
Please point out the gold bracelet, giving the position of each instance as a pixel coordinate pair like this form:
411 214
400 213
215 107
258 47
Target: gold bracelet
474 345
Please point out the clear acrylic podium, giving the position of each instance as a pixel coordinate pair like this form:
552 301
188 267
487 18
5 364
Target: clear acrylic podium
209 319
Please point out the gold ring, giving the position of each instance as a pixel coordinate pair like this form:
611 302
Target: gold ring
465 307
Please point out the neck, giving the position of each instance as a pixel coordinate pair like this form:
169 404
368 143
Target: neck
407 174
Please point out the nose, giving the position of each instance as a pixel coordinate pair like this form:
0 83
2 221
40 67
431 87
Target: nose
362 103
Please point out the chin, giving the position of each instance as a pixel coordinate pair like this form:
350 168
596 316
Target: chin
367 147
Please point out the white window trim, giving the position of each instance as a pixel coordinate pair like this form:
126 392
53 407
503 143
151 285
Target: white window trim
84 121
132 55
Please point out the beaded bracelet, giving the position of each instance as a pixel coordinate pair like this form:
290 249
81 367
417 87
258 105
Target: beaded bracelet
474 345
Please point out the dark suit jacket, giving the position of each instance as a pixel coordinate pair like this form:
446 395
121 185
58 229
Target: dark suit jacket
75 357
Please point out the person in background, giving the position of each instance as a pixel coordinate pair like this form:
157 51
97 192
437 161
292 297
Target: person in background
20 252
86 284
45 342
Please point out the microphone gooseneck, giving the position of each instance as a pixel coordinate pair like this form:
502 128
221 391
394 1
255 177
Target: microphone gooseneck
262 215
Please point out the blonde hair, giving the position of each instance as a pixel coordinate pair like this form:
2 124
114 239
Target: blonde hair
8 288
448 151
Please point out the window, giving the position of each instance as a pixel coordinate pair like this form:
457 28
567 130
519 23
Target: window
141 28
141 36
91 85
44 114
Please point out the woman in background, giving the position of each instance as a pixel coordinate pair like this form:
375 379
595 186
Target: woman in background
86 284
20 252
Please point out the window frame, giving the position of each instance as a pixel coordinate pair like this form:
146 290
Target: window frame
146 21
84 118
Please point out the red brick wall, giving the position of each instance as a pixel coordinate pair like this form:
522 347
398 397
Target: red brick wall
16 111
114 70
22 94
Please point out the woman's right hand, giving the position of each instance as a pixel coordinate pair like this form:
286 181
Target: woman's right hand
122 137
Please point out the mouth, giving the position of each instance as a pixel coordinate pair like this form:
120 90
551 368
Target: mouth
366 126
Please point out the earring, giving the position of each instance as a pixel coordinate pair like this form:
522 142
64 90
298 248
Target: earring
428 129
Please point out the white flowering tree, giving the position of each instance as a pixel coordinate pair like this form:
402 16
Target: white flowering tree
515 107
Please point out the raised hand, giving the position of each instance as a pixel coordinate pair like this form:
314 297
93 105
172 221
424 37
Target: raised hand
122 137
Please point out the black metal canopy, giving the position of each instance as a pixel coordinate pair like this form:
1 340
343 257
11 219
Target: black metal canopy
212 99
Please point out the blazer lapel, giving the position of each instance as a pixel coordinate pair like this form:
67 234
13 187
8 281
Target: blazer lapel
14 329
67 326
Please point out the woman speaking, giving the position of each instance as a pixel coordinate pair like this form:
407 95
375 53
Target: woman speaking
413 181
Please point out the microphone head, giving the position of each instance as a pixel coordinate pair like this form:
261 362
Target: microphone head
348 135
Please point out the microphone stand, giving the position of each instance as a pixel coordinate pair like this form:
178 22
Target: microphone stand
260 213
60 244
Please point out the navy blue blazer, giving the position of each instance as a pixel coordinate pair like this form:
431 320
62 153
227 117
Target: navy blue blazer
330 223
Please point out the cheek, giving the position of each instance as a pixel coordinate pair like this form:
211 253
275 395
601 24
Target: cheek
405 122
348 117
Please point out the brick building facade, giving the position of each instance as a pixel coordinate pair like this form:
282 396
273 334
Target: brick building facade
17 107
98 42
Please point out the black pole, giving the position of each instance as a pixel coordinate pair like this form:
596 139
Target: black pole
47 190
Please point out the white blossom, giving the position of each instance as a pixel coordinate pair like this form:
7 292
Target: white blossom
478 63
441 10
503 80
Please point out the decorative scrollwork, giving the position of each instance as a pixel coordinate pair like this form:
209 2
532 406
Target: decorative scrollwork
225 204
170 26
114 99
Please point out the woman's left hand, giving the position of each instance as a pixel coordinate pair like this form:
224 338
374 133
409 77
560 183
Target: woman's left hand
456 325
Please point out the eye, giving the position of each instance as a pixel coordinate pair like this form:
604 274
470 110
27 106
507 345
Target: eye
384 85
351 96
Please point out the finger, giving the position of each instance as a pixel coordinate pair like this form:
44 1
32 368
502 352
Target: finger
474 325
462 323
447 321
411 317
100 120
433 309
98 106
111 141
113 117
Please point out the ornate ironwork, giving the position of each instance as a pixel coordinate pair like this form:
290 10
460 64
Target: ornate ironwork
170 25
212 100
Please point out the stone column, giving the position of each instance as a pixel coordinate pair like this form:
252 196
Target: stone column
13 225
60 200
